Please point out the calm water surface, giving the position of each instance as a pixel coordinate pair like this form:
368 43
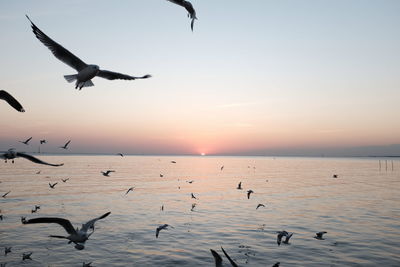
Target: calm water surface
360 210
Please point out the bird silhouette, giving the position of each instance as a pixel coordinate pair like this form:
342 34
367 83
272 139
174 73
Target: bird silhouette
11 101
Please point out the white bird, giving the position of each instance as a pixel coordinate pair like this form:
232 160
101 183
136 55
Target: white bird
26 142
85 72
78 237
161 227
189 7
66 145
12 154
107 173
11 101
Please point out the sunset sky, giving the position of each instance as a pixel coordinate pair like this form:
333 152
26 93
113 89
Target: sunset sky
254 76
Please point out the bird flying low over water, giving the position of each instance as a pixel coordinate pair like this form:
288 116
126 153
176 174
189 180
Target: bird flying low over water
66 145
85 72
7 250
249 192
64 180
12 154
193 196
260 205
26 142
280 235
11 101
239 186
27 256
107 173
43 142
189 7
4 195
129 190
319 235
288 236
218 258
78 237
161 227
52 186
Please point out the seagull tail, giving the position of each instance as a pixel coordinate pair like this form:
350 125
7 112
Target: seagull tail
80 85
70 78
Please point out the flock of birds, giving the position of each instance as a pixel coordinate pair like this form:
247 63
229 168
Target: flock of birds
83 78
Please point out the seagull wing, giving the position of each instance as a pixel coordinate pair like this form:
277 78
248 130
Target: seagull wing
11 101
106 74
67 143
58 51
229 258
36 160
91 223
63 222
217 258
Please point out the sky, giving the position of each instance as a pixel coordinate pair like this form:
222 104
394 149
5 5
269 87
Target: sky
255 77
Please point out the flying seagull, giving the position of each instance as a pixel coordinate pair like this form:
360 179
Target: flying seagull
52 185
27 256
189 7
66 145
107 173
78 237
173 161
193 196
85 72
319 235
11 101
43 141
26 142
193 206
229 258
249 193
7 250
276 264
222 167
280 235
260 205
4 195
120 154
288 236
12 154
239 186
161 227
65 180
129 190
89 264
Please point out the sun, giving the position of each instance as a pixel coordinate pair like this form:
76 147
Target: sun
203 154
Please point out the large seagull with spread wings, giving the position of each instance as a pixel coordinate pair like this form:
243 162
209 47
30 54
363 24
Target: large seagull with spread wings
85 72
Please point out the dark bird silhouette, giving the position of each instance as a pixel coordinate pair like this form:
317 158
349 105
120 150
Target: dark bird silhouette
27 256
319 235
66 145
193 196
173 161
229 258
26 142
129 190
120 154
217 258
1 217
161 227
78 237
11 101
279 236
12 154
260 205
35 209
276 264
107 173
4 195
239 186
189 7
288 236
249 192
89 264
190 182
64 180
161 175
193 206
85 72
7 250
335 176
43 142
222 167
52 185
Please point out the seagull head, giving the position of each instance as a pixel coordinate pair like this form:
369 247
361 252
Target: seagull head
95 68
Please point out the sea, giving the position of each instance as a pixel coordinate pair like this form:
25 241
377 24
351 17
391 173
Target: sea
359 210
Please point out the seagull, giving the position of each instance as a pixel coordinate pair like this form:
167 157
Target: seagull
66 145
280 235
335 176
107 173
161 175
319 235
239 186
26 256
288 236
189 7
85 72
161 227
78 237
65 180
248 193
229 258
1 217
12 154
129 190
193 206
222 167
11 101
190 182
276 264
260 205
7 250
89 264
52 185
37 207
6 194
43 142
26 142
162 208
120 154
193 196
173 161
217 258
